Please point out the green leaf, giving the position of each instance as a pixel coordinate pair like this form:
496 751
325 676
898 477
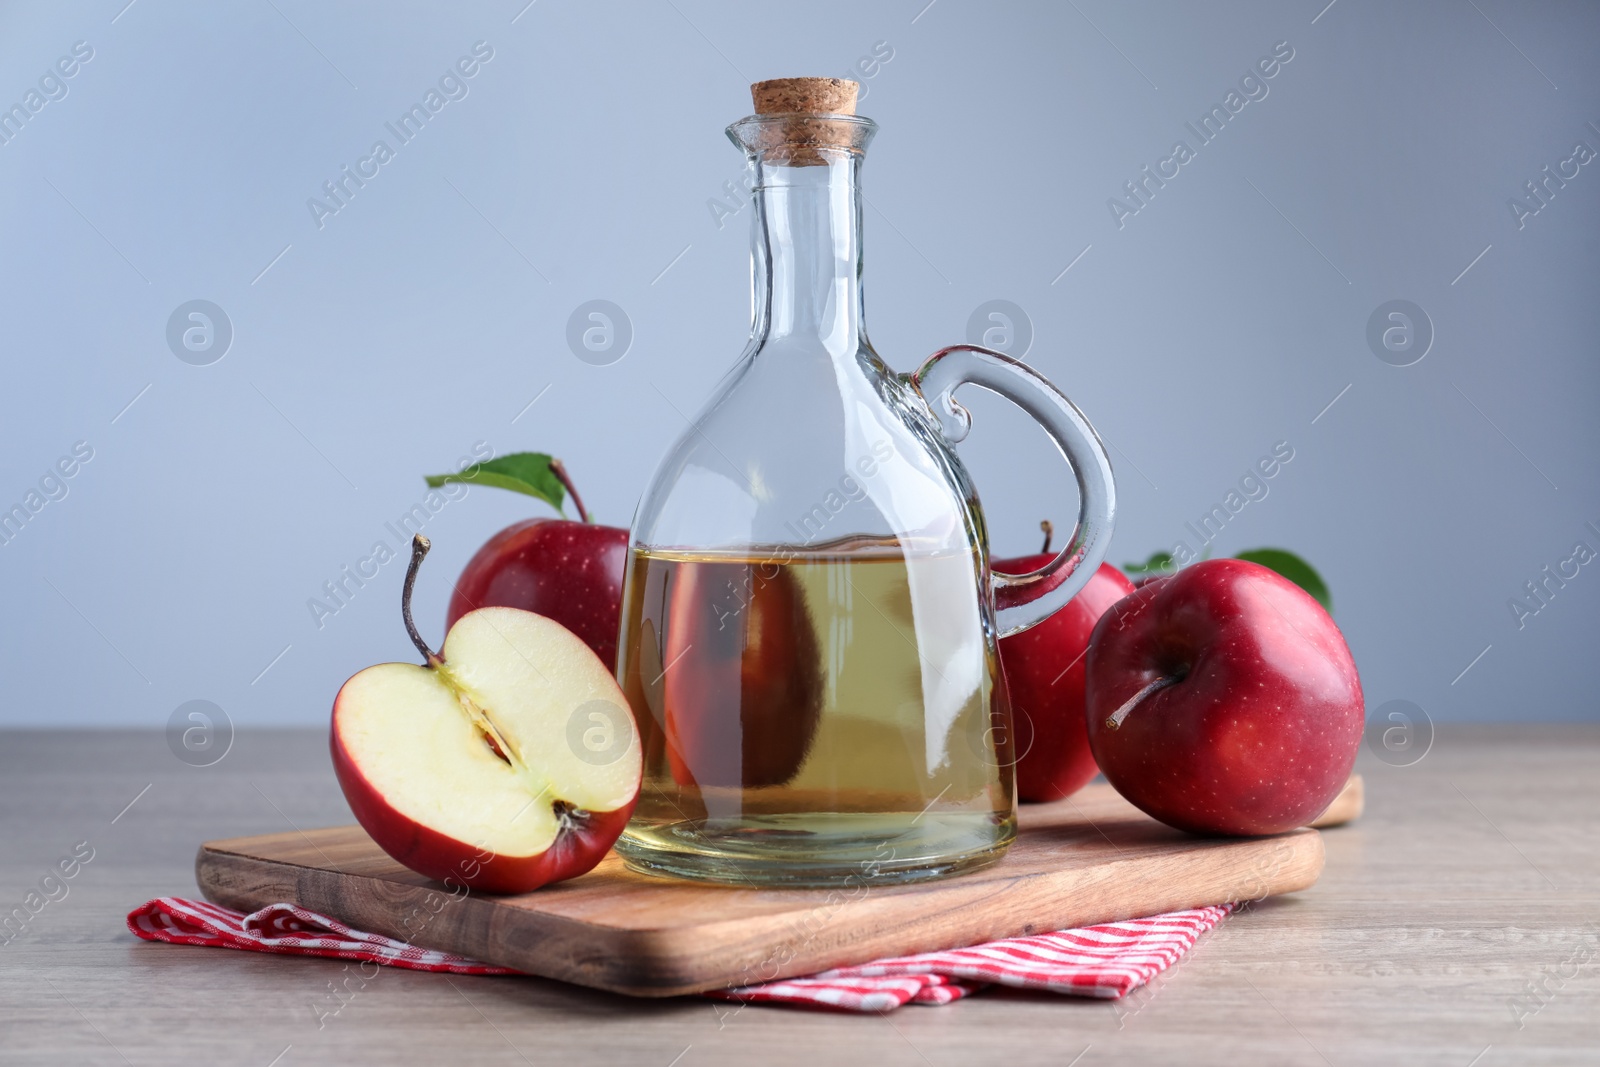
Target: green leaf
1158 563
1293 568
521 472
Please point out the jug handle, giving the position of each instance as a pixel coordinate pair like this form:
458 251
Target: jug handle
1024 600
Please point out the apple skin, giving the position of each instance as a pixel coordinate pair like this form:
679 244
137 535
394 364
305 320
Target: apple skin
568 571
1260 733
438 856
1044 669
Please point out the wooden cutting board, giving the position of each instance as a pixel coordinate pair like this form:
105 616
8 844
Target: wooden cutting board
1092 858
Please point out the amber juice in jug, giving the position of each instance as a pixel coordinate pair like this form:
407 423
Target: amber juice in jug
809 620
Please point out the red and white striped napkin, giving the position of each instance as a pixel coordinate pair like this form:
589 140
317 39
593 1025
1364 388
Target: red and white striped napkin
289 929
1105 961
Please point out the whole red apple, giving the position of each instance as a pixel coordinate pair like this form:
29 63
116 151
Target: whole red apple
741 705
1044 669
1223 700
570 572
567 571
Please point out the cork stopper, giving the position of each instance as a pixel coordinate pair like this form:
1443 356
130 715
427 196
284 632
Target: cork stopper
814 96
811 110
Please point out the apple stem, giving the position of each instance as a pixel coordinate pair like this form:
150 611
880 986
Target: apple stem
560 471
1049 531
419 549
1114 720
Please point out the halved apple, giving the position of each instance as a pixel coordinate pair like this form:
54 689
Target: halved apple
505 763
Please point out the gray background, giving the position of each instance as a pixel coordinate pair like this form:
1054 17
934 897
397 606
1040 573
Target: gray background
429 312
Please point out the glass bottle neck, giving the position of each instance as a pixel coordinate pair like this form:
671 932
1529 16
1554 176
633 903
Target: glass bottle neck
806 252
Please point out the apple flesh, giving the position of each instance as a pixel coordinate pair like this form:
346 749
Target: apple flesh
1223 700
1044 668
508 761
567 571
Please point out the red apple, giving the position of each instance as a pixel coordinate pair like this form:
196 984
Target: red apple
1044 668
743 698
507 761
1223 700
570 572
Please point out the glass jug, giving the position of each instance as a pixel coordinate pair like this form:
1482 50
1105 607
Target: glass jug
809 618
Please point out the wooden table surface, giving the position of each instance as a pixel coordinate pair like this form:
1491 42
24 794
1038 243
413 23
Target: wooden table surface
1457 924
